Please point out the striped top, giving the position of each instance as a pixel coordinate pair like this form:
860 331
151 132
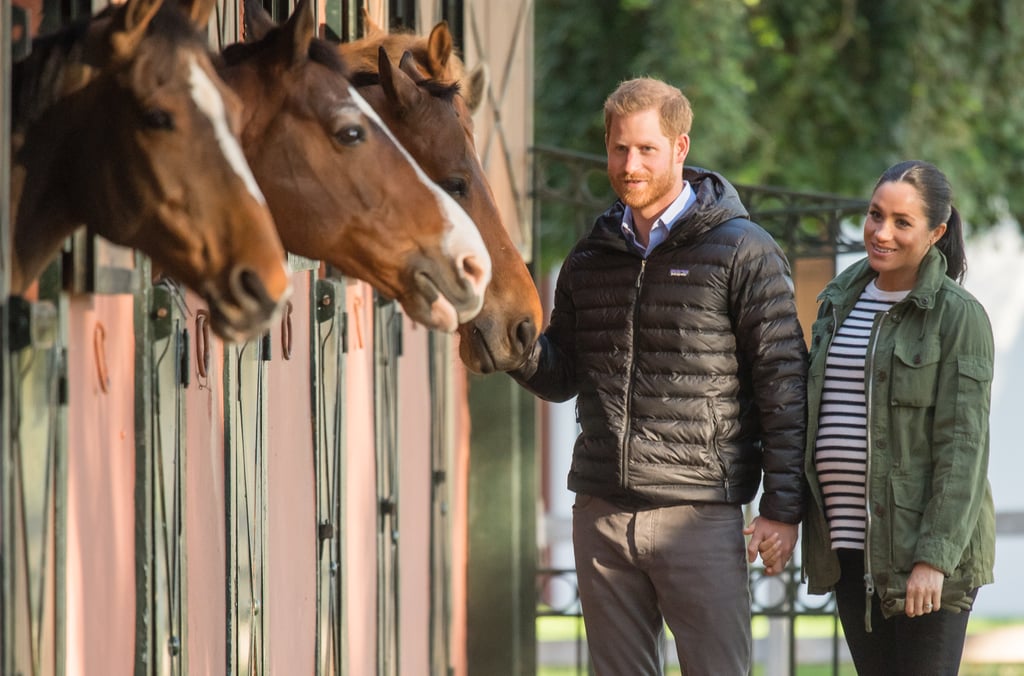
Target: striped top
840 449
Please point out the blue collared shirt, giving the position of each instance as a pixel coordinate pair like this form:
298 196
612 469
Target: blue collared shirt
662 226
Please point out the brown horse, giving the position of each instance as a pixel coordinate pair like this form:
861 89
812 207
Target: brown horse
121 124
341 188
434 122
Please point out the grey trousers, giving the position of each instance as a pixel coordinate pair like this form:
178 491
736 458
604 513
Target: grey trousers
685 564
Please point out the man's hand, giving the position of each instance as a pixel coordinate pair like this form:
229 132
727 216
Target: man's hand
773 540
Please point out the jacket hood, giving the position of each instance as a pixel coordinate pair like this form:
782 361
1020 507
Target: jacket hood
717 201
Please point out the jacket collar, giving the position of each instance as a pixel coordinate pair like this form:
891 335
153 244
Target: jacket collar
846 288
716 201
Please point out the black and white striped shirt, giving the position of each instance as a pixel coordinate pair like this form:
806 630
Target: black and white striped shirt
840 449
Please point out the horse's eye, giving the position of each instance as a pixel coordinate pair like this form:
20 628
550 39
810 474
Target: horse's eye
158 118
456 187
350 135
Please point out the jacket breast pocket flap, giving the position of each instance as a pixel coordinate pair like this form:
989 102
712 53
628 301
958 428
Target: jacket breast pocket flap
915 373
975 368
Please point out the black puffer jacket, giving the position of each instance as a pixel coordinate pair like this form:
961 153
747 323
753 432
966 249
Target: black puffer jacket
689 366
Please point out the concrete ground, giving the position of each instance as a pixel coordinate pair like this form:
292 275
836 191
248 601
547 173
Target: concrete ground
1003 646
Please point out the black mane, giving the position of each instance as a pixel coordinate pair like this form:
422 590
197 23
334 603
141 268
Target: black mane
436 88
37 79
320 52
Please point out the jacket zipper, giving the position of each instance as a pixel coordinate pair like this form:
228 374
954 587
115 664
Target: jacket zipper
624 468
869 580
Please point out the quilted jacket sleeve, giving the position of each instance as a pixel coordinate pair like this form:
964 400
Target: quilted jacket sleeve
549 371
771 347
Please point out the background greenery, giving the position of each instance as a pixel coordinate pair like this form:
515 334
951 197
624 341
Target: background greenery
815 95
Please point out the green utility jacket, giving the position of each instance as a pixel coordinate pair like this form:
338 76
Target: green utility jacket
928 376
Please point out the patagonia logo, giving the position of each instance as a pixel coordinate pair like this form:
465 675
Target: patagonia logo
678 272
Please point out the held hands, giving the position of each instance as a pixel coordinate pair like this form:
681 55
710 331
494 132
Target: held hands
773 540
924 590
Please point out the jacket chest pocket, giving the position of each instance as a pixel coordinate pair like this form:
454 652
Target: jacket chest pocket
915 372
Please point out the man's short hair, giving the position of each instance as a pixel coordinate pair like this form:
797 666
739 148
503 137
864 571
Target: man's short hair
643 93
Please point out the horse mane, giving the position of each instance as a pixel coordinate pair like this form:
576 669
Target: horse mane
59 63
436 88
42 77
320 51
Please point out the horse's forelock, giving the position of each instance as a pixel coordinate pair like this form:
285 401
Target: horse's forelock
320 51
364 78
441 90
445 91
326 54
172 23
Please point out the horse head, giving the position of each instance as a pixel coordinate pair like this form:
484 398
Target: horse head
123 125
431 118
341 187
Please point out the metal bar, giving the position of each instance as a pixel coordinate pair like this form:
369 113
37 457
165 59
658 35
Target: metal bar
145 541
340 575
230 517
7 664
387 341
441 396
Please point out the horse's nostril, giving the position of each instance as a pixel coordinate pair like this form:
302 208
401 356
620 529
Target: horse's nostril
473 271
526 333
247 285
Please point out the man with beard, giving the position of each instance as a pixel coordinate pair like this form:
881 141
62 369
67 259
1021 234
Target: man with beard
674 324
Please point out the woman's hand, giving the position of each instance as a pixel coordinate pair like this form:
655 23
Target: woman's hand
924 590
773 540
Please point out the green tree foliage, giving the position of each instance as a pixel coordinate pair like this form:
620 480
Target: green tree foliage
815 95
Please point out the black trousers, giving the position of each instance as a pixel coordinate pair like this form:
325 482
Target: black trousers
927 645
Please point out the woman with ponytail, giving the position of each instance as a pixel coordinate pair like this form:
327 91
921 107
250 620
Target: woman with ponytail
901 524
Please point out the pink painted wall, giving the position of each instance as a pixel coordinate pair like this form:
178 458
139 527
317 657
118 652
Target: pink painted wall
414 507
206 535
291 494
101 605
360 520
101 466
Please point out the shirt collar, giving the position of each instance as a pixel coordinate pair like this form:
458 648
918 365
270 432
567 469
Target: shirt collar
664 224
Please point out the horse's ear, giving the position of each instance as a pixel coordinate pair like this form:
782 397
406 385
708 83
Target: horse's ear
257 21
474 87
129 26
300 29
439 49
399 88
371 29
198 11
411 67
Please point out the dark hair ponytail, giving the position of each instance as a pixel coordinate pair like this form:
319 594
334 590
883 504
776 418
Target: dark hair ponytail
937 195
951 244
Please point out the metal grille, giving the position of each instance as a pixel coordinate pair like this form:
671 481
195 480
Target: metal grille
441 451
162 355
574 186
246 477
35 485
387 345
329 350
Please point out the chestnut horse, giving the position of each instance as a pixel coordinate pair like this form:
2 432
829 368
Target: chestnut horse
433 120
121 124
341 188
